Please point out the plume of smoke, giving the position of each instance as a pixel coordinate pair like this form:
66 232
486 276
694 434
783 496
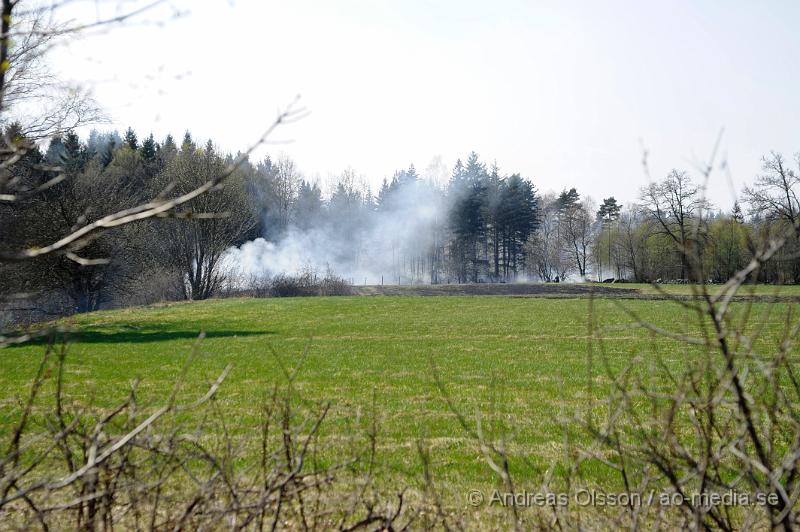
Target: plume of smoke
392 239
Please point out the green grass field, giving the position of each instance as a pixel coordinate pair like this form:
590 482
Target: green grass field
687 289
519 361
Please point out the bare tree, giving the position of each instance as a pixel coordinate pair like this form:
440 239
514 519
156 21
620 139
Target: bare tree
546 245
286 183
774 193
677 206
219 219
632 246
577 234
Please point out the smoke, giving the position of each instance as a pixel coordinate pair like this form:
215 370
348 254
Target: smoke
395 238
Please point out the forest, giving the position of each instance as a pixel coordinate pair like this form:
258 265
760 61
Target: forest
482 225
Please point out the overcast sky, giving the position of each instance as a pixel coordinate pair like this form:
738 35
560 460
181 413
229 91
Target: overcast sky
566 93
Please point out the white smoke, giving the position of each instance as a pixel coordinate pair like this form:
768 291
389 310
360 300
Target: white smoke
391 245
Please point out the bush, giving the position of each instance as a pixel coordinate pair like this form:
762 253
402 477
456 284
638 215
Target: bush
307 283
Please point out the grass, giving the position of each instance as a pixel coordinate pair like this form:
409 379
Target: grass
688 289
519 361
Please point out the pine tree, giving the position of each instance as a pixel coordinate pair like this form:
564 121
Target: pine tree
384 194
609 211
107 153
54 150
13 134
131 140
167 152
567 200
75 155
188 144
495 187
149 149
475 171
458 172
607 214
467 218
308 207
101 145
518 218
409 177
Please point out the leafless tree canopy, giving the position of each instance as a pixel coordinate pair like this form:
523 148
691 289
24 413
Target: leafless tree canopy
774 193
677 206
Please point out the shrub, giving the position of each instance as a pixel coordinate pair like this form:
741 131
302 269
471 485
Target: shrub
307 283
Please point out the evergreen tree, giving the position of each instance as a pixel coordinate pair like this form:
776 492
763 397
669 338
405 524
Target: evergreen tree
408 177
383 196
609 210
518 219
130 139
149 149
167 151
567 200
493 205
607 214
458 174
308 208
467 218
148 155
475 171
55 150
188 144
107 153
75 155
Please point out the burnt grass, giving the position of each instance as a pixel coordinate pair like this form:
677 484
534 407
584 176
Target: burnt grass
491 289
544 290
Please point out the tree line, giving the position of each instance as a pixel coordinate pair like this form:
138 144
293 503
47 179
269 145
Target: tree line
480 226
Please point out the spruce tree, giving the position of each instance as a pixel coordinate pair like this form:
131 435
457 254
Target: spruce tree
131 140
149 149
188 144
308 208
167 151
467 217
54 150
519 219
458 173
410 176
107 153
75 155
384 194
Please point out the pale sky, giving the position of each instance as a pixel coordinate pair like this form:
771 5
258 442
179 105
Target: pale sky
564 92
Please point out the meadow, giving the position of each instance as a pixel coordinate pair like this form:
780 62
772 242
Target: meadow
526 365
688 289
